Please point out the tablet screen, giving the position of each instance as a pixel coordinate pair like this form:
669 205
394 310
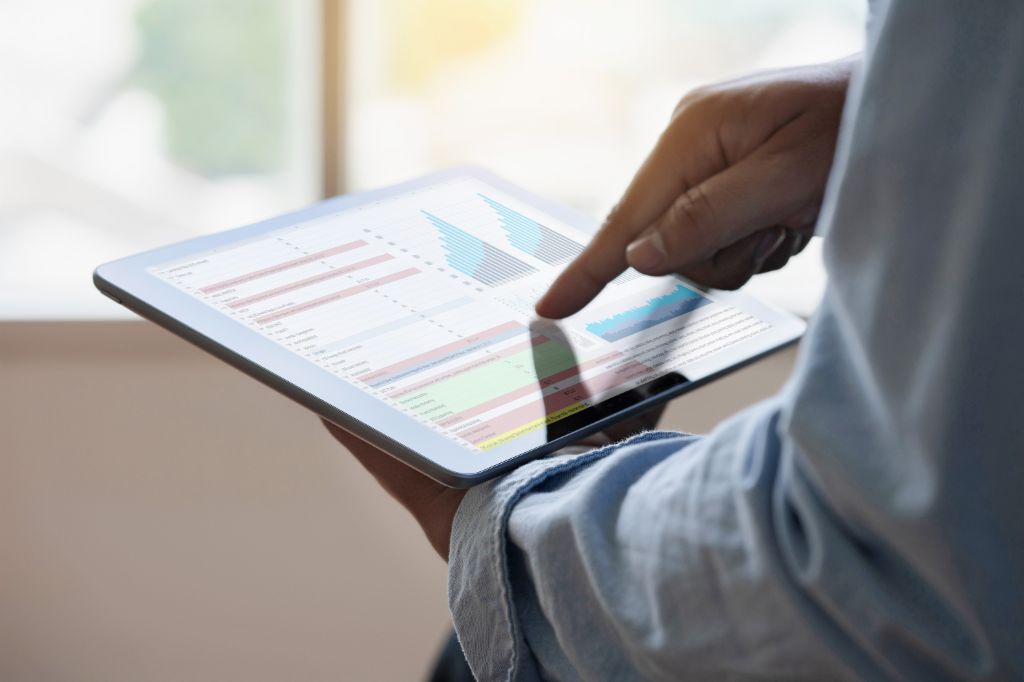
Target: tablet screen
425 300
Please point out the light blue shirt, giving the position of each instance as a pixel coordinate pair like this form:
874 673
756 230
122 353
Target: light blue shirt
869 520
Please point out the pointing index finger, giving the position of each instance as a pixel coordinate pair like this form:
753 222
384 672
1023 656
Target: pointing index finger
684 154
653 189
584 278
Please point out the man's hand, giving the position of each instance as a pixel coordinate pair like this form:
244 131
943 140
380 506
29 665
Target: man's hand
432 505
732 188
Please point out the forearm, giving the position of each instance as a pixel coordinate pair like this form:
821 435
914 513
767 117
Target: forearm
876 526
654 560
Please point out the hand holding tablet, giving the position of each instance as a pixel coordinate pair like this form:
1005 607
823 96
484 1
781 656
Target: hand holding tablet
405 315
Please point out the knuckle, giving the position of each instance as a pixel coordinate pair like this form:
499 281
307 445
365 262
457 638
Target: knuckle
699 99
693 217
684 103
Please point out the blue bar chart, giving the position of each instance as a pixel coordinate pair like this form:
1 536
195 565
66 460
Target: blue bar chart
475 258
531 237
676 303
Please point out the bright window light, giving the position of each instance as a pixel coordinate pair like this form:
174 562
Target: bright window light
129 124
565 97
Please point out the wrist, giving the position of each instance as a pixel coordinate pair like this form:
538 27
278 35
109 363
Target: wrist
436 516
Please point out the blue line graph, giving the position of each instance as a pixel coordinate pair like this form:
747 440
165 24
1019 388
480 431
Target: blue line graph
473 257
676 303
531 237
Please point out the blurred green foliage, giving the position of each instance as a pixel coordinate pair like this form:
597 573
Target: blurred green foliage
218 68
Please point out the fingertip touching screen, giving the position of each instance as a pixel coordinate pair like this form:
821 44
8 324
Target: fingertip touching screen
424 300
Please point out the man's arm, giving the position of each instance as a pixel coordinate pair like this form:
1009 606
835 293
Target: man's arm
783 123
867 521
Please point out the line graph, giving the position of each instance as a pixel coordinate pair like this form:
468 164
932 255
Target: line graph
676 303
531 237
472 256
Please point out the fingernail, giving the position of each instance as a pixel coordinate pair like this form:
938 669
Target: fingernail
769 242
647 252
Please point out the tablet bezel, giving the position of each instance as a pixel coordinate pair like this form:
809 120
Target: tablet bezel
129 282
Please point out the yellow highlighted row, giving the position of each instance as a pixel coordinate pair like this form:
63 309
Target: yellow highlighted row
531 426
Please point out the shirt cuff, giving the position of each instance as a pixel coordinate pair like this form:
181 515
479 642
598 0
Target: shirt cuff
479 591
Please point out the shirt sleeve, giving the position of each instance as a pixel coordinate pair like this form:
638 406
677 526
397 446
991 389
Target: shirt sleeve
866 522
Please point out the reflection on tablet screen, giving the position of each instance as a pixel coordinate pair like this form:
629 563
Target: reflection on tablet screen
425 300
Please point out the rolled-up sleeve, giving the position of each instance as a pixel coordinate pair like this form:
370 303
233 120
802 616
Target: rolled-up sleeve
864 523
641 560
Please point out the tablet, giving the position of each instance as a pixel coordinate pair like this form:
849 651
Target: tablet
405 315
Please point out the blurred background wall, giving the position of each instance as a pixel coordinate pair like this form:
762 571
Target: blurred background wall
164 517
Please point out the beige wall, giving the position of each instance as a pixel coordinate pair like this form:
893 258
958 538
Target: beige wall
163 517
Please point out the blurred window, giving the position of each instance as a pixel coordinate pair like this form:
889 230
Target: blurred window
129 124
134 123
565 97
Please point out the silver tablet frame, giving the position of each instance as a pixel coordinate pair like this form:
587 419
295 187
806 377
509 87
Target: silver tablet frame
129 282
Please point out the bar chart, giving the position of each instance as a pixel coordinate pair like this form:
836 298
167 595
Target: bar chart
473 257
678 302
531 237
